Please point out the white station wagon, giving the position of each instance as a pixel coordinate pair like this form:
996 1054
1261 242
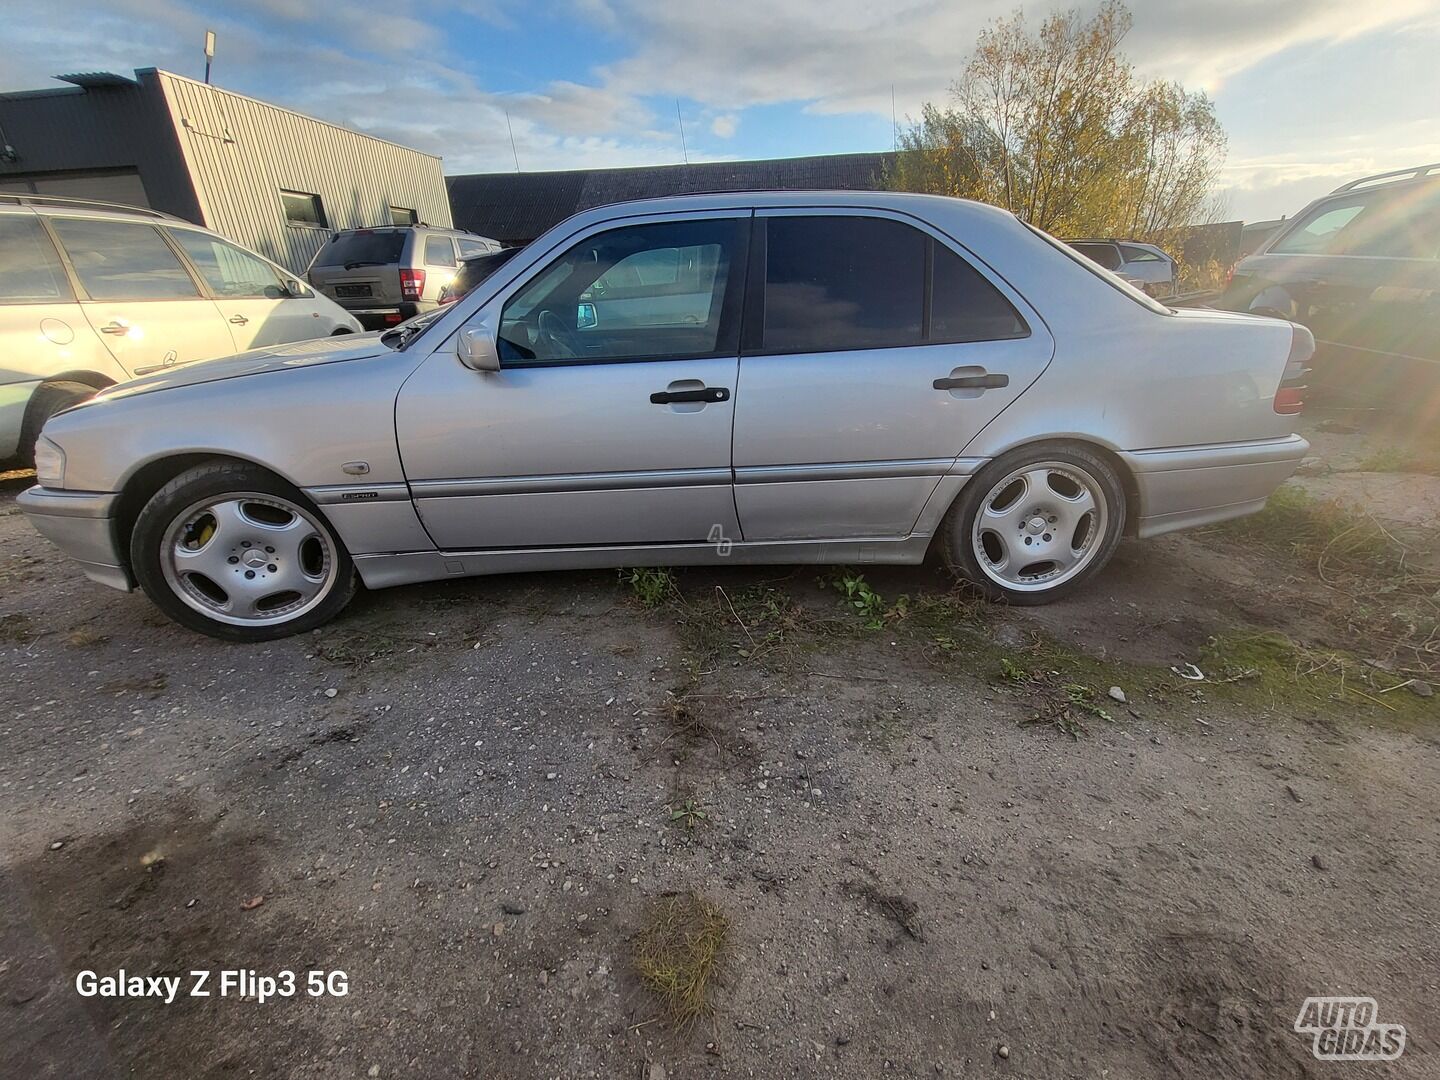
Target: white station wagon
815 377
93 293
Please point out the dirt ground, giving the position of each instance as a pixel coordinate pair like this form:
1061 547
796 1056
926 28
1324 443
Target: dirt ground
939 845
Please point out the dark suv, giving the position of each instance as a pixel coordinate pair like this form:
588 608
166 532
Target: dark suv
384 276
1361 268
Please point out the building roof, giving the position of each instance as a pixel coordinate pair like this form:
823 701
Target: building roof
517 207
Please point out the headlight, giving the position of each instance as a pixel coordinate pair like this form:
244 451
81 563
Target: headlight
49 464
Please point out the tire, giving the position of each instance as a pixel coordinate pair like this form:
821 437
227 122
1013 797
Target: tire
234 552
47 400
1021 531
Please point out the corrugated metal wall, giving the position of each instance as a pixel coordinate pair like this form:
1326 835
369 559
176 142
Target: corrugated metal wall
242 153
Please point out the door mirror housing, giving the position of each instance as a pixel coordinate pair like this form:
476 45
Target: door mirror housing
298 290
478 350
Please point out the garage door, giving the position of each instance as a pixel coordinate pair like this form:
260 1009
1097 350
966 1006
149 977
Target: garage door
114 185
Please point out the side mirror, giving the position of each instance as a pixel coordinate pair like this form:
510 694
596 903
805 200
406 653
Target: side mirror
477 349
298 290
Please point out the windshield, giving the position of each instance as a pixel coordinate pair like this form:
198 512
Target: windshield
373 248
1099 271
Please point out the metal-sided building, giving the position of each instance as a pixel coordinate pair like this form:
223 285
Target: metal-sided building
274 180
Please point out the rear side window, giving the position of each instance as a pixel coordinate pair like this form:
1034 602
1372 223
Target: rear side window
966 307
366 248
835 283
470 248
1106 255
439 251
1388 224
229 271
1135 254
118 260
30 270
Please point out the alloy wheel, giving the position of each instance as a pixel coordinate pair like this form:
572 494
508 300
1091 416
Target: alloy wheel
1040 526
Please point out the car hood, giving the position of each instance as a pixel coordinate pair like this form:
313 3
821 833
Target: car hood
298 354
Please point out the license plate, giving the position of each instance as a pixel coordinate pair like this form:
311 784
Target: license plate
352 290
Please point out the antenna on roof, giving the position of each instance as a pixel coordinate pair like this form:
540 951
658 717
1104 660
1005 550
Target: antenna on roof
683 148
512 140
209 53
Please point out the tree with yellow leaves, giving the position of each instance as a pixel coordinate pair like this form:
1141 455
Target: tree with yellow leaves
1056 127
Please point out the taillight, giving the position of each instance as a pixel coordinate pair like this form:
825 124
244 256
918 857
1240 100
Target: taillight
412 284
1290 395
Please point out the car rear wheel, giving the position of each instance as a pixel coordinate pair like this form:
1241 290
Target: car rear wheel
1035 523
233 551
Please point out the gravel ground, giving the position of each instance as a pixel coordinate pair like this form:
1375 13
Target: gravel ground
465 796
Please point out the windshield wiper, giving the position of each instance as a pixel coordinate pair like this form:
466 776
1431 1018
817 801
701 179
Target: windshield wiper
364 262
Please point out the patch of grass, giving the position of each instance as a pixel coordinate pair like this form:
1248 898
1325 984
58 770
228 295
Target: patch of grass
1394 459
677 951
857 594
689 814
1269 666
15 628
649 586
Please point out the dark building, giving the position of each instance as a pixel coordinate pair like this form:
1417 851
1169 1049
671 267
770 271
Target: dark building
274 180
516 207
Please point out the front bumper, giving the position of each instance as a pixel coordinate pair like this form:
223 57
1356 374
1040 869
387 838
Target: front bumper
82 524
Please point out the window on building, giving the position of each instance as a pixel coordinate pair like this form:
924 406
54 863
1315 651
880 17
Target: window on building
634 293
439 251
30 270
400 215
229 271
118 260
838 282
304 209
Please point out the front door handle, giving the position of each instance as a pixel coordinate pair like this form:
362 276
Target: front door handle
239 320
973 382
115 326
704 394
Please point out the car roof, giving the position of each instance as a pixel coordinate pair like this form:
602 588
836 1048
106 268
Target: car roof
48 204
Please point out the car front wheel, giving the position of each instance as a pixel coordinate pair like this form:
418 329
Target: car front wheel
1035 523
233 551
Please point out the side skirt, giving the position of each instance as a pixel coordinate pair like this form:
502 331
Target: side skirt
382 571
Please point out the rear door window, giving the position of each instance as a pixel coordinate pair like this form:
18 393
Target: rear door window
120 260
30 270
839 282
439 251
354 249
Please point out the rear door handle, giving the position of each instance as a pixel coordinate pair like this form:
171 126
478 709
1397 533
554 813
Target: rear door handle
239 320
704 394
115 326
973 382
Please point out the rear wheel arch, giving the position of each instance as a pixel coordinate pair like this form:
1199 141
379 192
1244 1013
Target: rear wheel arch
1110 456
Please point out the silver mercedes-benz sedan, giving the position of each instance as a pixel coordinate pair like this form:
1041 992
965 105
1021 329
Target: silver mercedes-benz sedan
823 377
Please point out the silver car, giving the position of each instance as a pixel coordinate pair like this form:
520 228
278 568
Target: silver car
1141 264
744 378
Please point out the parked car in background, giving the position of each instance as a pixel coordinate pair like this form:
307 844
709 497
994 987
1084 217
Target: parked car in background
1361 268
95 293
384 276
1157 273
758 377
473 272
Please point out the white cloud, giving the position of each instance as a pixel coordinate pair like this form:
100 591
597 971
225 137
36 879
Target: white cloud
725 126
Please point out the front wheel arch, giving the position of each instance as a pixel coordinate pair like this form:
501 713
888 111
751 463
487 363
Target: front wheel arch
145 481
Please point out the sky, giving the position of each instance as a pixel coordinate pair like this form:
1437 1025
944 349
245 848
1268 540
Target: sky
1311 92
